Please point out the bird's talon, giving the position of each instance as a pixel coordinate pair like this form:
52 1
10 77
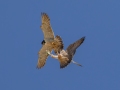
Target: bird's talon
48 52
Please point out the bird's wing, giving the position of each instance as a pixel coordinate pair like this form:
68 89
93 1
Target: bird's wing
64 62
46 28
43 55
63 59
58 44
72 47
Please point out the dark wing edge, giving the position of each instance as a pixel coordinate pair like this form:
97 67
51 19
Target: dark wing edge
72 47
46 28
58 44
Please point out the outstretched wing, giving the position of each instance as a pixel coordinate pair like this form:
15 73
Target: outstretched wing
47 42
58 44
46 28
43 55
72 47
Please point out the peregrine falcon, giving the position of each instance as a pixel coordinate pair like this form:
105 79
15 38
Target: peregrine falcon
49 43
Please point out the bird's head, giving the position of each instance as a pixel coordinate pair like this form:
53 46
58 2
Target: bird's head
43 42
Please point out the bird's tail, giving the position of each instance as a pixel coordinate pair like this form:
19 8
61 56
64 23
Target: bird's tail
76 63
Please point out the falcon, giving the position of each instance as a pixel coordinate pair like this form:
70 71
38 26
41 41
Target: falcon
50 42
66 56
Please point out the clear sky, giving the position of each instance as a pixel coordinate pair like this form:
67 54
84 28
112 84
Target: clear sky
20 41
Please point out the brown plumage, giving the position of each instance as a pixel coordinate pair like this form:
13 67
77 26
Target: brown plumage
59 44
49 39
55 43
49 42
43 55
65 56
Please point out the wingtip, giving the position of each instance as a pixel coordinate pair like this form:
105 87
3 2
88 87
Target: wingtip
61 67
43 13
37 67
83 37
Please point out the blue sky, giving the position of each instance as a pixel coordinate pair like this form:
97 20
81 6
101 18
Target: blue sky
20 36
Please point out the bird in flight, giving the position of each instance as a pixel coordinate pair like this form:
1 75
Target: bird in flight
50 42
55 43
66 56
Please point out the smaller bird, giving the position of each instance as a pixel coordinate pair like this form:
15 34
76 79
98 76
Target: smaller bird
66 56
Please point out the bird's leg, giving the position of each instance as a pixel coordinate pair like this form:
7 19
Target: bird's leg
76 63
53 56
48 52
